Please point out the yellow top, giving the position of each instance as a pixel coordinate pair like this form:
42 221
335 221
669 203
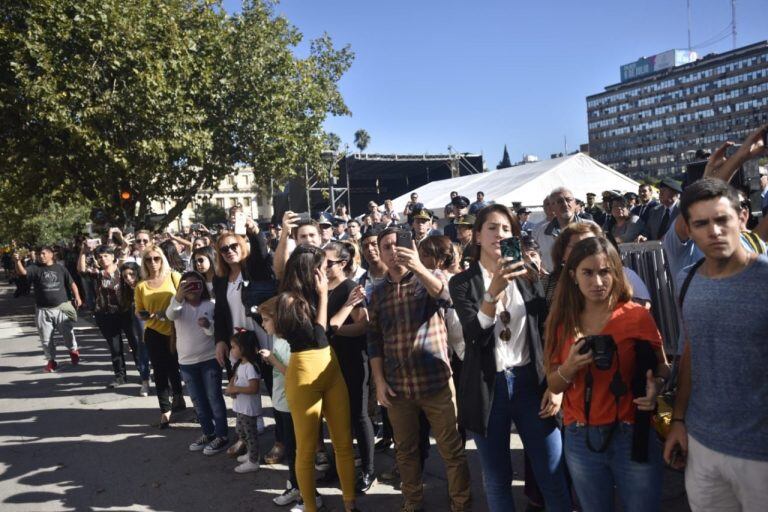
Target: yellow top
156 301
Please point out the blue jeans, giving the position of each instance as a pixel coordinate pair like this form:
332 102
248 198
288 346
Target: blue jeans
517 397
203 382
134 333
595 474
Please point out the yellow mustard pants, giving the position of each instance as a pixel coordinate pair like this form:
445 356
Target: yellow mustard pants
314 385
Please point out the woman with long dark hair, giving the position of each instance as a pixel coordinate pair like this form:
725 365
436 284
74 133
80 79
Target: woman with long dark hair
347 320
314 381
501 308
172 255
602 349
204 262
130 273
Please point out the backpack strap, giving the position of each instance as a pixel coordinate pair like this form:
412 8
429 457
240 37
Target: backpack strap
754 241
687 281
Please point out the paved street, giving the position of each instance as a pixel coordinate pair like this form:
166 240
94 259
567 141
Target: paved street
67 443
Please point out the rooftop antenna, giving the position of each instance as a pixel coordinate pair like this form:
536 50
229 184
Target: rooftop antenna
733 22
689 25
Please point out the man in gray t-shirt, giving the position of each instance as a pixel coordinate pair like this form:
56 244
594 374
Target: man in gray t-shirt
720 420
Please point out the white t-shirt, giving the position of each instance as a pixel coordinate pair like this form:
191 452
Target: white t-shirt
250 405
193 343
236 307
514 352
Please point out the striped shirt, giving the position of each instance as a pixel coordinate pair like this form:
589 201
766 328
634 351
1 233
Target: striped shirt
407 328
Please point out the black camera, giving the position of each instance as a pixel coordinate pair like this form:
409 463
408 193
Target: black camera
603 347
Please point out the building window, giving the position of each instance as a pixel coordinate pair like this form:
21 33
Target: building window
220 202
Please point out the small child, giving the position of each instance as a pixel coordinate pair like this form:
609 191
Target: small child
279 358
244 388
192 313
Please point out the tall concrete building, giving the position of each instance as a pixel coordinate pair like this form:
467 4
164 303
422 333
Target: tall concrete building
670 105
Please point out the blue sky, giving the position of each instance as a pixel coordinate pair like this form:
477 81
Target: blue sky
478 74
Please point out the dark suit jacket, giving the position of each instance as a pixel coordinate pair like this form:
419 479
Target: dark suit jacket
478 374
653 225
644 210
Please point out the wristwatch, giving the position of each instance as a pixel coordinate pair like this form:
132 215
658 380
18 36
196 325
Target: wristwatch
487 297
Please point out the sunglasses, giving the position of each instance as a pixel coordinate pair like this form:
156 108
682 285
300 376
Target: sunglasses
506 333
330 263
230 247
201 260
142 240
154 259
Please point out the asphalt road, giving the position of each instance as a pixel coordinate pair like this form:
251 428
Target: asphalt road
67 443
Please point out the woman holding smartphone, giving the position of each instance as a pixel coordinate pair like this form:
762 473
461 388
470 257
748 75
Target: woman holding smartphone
501 308
593 298
152 297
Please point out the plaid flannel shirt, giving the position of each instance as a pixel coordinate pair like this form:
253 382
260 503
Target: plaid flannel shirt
407 329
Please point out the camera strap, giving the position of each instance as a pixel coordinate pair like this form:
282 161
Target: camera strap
618 389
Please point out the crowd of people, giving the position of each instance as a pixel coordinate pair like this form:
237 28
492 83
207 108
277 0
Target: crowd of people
495 321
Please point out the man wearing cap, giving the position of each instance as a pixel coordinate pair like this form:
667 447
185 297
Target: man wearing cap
421 224
464 225
325 221
598 215
339 228
459 206
663 216
646 202
523 214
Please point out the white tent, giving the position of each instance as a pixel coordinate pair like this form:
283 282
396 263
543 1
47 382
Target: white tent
527 183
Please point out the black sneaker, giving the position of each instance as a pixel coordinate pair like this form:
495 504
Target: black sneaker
215 446
364 482
178 404
200 443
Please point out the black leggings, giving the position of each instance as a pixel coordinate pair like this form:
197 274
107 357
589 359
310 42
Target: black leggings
110 325
289 444
354 368
165 365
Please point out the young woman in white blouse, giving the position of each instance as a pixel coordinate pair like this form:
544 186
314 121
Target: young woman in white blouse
501 308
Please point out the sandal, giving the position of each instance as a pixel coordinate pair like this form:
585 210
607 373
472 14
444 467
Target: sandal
237 449
275 455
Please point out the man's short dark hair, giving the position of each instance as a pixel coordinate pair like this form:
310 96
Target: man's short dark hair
704 190
103 249
387 232
351 221
48 248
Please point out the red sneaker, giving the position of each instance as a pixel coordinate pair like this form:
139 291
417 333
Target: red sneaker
50 366
74 356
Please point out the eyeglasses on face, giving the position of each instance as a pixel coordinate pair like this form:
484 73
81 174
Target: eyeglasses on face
142 240
564 200
154 259
331 263
231 247
200 261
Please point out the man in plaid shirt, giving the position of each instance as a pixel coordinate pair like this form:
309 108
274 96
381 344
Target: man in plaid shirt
407 346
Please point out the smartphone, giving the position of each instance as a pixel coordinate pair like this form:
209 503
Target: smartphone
144 314
304 217
194 286
510 248
731 150
93 243
239 223
195 227
405 239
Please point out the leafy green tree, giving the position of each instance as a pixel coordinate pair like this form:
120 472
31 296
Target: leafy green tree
210 214
362 139
331 142
155 98
53 224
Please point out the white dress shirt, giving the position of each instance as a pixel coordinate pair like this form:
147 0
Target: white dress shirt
514 352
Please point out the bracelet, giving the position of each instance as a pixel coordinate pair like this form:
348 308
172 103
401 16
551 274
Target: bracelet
563 376
681 420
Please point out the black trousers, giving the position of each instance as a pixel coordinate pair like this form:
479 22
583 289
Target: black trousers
165 365
289 445
354 368
110 325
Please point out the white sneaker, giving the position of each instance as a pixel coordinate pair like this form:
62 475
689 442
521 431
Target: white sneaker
290 495
247 467
244 458
144 391
299 506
